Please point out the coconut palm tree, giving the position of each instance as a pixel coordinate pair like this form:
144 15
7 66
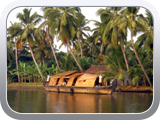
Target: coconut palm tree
90 48
81 28
136 71
10 53
146 39
97 34
48 37
62 22
135 23
42 50
114 62
15 31
110 18
28 22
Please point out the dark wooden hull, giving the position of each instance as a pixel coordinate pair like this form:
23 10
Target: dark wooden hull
108 90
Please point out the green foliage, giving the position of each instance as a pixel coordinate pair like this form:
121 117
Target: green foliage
86 62
69 25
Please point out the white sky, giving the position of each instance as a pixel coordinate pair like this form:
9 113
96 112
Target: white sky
88 12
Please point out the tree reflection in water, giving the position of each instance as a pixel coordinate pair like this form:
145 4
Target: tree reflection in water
39 101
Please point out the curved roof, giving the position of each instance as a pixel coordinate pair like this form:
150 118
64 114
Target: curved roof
87 76
74 75
96 68
65 74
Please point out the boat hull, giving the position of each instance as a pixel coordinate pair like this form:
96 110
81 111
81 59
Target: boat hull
91 90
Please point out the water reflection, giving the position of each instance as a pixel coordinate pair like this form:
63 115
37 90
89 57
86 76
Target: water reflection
39 101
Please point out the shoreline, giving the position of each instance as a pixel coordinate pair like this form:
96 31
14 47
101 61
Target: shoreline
134 89
118 89
16 86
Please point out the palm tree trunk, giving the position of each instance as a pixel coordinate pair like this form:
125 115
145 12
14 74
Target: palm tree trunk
22 79
101 48
54 55
37 65
25 79
34 78
125 59
122 82
51 41
140 61
43 62
80 48
144 80
29 78
67 50
124 55
16 55
137 84
74 57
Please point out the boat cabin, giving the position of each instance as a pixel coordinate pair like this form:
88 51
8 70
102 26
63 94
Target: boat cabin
75 78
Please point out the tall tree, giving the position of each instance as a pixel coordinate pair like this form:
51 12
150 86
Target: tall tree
110 18
62 21
146 39
29 21
97 34
114 62
81 28
48 36
15 31
135 23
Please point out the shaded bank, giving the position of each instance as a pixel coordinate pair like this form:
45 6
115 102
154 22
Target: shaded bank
20 86
118 89
133 89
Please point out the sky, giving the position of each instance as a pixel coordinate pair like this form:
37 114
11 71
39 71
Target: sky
88 12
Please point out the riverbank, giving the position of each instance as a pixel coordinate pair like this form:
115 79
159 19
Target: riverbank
25 86
133 89
40 86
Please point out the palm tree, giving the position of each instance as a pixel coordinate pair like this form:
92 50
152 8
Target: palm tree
10 53
110 18
49 37
42 50
90 48
29 21
62 22
81 28
67 62
135 23
114 62
97 34
15 31
146 39
136 71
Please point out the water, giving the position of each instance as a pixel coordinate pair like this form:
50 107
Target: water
41 101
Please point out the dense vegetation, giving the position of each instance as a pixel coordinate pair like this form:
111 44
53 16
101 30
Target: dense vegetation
31 52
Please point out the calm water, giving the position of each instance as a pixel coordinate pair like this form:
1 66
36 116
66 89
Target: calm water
40 101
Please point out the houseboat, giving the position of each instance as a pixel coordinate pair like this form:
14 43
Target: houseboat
78 82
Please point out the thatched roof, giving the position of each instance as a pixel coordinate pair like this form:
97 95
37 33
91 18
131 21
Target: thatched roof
96 68
65 74
74 75
87 76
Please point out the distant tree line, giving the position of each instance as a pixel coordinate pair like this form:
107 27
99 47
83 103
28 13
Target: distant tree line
32 53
